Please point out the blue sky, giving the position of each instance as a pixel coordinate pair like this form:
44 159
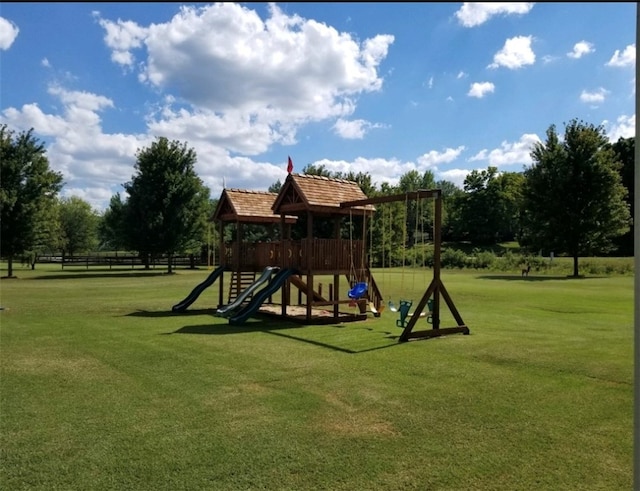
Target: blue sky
382 88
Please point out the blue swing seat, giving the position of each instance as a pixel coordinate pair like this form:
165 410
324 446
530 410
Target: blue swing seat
358 290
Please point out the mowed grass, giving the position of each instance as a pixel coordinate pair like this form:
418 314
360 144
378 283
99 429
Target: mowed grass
102 387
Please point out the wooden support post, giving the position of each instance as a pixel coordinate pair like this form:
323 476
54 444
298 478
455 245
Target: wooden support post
335 295
223 260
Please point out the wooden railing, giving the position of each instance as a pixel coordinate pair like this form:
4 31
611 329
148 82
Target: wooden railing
316 255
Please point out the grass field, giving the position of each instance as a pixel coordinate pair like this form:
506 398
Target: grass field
102 387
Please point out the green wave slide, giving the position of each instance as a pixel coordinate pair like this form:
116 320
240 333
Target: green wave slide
228 310
195 293
276 282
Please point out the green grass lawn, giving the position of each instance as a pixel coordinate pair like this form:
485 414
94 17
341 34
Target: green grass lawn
102 387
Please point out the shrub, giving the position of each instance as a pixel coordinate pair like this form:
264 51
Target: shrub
453 258
483 259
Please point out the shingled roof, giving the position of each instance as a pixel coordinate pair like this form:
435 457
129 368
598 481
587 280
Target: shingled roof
319 194
240 205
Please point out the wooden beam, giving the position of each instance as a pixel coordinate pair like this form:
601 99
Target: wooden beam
433 333
422 193
324 303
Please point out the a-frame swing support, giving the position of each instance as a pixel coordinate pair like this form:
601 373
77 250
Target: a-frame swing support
436 288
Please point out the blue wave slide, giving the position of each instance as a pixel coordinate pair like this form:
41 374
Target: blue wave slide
227 310
195 293
276 282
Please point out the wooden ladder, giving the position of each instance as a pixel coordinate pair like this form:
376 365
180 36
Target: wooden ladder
240 281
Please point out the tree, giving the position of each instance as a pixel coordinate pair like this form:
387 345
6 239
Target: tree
573 197
625 150
317 170
477 218
418 216
507 189
48 236
451 196
167 204
28 187
275 187
79 223
112 226
489 209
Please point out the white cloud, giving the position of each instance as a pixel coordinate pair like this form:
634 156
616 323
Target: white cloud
263 77
460 75
122 37
473 14
456 176
515 53
480 89
224 56
432 159
375 167
624 127
596 97
624 58
229 84
78 148
581 49
8 33
509 153
389 170
354 129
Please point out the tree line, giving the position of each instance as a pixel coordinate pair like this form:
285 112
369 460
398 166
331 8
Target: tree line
576 198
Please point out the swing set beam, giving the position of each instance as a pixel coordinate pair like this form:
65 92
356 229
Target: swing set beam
436 288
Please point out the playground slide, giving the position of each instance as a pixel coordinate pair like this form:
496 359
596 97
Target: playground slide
227 310
195 293
276 282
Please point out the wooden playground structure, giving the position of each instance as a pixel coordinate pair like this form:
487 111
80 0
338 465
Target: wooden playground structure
320 252
323 208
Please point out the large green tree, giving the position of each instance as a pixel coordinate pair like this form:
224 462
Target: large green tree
625 151
573 197
112 226
168 202
452 195
49 238
79 223
27 187
419 213
489 209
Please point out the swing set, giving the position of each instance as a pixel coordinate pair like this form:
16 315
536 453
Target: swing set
359 287
405 305
436 289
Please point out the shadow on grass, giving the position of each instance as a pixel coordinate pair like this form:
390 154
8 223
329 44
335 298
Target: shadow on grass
334 347
268 326
223 329
170 313
514 277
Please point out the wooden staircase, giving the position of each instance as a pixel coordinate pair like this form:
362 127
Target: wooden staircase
240 281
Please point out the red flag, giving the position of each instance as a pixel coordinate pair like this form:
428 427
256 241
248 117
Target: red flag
290 166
